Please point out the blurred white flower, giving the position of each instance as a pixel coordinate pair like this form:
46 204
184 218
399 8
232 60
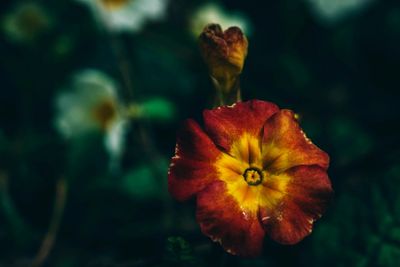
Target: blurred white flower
213 13
26 22
126 15
330 11
92 104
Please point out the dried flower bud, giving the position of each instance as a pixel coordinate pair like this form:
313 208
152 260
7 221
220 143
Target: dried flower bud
224 53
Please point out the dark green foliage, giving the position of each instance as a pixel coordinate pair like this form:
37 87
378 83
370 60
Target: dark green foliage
179 253
363 228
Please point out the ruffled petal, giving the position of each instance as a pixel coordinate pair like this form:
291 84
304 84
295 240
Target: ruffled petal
192 168
228 123
307 194
222 219
285 145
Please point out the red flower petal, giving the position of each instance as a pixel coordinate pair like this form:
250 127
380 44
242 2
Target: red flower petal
226 124
223 221
192 167
285 144
308 194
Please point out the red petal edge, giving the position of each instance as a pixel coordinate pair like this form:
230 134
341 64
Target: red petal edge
223 221
227 123
308 194
191 169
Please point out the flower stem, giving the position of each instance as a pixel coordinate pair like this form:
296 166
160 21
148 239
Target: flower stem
123 63
155 158
227 97
19 229
147 143
58 210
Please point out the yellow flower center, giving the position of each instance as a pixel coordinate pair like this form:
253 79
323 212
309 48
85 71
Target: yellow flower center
104 113
114 4
32 20
248 177
253 176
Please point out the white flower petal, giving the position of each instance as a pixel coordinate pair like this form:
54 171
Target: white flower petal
130 17
90 88
333 10
114 142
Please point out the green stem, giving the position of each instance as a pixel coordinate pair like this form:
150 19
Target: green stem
17 225
227 96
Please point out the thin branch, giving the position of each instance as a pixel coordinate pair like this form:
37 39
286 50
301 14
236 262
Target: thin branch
58 211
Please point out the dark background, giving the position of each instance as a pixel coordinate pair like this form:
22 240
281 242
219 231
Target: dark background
342 78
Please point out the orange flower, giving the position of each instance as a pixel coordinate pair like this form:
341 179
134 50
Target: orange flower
254 172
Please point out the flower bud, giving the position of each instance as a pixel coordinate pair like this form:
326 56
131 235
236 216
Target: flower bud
224 52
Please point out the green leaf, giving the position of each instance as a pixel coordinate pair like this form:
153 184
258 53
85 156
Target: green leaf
141 183
158 109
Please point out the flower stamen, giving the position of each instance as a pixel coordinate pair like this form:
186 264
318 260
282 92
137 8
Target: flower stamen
253 176
114 4
104 113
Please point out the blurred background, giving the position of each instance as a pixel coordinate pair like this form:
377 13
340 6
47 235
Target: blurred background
93 92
